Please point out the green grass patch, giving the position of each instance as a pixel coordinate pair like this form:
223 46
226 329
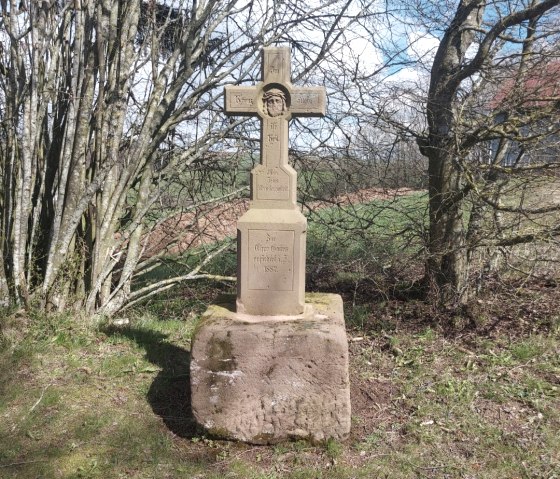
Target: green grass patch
399 219
85 400
376 242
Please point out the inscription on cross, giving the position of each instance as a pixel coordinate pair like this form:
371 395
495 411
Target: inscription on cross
271 235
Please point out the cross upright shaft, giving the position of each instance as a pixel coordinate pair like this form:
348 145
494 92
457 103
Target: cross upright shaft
275 101
271 235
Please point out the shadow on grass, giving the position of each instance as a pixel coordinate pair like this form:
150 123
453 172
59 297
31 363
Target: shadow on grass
170 393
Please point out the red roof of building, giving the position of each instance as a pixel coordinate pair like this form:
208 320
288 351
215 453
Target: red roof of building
539 86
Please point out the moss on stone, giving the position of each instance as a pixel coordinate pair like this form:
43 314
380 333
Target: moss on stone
264 438
319 298
218 432
220 357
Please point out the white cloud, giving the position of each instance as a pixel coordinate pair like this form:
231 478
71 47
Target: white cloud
422 47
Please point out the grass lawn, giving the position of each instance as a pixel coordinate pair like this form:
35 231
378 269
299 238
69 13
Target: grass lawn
481 400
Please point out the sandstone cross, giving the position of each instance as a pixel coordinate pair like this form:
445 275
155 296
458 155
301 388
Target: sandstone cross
271 235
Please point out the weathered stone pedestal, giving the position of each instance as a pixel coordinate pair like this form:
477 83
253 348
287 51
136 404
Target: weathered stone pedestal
265 379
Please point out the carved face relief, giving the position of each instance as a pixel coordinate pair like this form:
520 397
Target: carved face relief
274 102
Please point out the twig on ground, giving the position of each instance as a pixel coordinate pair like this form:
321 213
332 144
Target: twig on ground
40 398
34 405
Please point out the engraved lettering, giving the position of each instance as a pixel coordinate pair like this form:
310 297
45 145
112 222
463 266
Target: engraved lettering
272 184
243 100
275 64
271 258
307 99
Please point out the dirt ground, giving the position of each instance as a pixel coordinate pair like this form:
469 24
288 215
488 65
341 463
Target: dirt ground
402 348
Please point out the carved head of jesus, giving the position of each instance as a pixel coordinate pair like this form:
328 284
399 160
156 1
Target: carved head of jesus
274 102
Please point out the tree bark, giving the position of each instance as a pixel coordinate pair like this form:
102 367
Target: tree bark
446 267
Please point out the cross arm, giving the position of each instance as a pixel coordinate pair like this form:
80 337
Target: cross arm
240 100
308 101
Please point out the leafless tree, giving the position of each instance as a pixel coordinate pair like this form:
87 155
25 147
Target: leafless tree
484 107
106 108
492 88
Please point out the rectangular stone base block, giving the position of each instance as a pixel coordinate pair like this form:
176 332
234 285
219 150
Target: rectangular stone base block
266 379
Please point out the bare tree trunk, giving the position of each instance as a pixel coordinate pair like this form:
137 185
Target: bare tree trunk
447 260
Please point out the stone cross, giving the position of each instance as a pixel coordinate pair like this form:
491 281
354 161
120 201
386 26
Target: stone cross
271 235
